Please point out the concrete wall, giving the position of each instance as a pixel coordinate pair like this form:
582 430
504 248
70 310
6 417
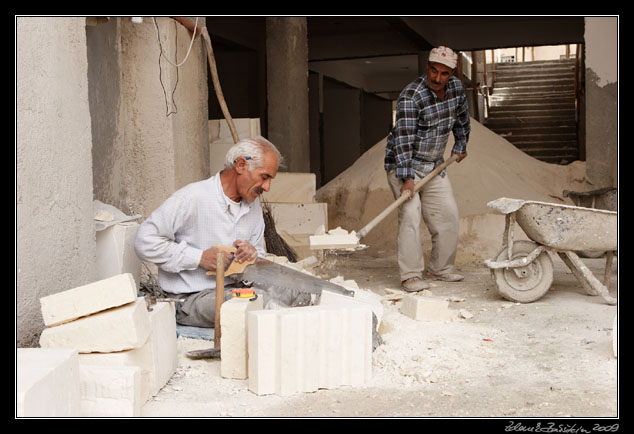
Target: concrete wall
93 123
149 124
602 114
165 116
103 40
55 238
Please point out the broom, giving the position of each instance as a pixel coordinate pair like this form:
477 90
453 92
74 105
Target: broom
275 244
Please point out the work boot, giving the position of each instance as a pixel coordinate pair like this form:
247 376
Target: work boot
449 277
414 284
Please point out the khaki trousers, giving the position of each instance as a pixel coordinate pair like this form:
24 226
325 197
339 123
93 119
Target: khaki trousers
436 204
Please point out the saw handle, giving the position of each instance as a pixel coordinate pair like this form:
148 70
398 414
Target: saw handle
405 196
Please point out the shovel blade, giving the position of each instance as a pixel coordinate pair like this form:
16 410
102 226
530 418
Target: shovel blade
211 353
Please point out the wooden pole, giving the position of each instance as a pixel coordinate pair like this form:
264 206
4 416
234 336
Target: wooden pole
220 296
217 88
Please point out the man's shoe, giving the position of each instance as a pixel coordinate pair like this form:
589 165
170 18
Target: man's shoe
414 284
449 277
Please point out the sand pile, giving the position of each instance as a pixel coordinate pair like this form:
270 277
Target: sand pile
494 168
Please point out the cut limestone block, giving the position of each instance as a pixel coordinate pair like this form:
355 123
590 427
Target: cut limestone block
88 299
115 251
139 357
233 341
117 329
304 349
333 239
110 391
245 127
291 187
157 359
47 383
221 140
299 218
360 296
426 308
163 341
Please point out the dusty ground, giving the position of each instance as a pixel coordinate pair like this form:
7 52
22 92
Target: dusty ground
549 359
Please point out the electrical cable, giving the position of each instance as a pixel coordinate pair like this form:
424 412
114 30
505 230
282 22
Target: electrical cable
190 44
177 65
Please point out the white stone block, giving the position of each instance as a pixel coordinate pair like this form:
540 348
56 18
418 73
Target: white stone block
157 359
85 300
163 341
221 140
299 342
115 251
304 349
245 127
110 391
361 296
141 358
117 329
263 351
333 239
233 341
426 308
299 218
292 187
47 383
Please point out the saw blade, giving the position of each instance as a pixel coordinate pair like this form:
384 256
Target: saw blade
269 274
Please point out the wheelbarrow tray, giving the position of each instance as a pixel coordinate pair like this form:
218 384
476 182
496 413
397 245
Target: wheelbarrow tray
563 227
523 270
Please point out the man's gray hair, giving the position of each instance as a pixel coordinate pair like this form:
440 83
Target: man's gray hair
252 150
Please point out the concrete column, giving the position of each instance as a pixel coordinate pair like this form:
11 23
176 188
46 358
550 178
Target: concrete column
55 240
287 87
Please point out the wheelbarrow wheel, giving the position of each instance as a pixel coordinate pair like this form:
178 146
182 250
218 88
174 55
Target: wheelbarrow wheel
527 283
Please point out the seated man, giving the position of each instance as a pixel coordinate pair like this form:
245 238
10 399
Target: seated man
180 235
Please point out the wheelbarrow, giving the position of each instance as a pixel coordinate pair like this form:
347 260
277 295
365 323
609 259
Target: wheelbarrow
523 269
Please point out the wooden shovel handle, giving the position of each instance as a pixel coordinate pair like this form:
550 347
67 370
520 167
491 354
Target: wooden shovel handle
367 228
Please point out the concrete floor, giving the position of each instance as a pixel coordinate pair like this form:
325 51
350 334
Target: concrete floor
552 358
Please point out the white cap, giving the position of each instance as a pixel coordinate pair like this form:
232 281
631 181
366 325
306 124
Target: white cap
444 55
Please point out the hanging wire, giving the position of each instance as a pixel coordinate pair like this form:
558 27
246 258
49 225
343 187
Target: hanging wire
177 65
190 44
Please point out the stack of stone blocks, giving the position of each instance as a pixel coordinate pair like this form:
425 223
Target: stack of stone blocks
300 349
103 352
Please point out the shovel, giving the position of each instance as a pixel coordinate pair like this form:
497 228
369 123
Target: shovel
349 242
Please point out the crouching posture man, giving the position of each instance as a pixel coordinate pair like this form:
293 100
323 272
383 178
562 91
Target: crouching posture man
225 209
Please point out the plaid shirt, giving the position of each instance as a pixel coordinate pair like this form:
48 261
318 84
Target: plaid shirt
417 142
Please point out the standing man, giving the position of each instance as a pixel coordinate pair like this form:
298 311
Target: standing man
225 209
427 111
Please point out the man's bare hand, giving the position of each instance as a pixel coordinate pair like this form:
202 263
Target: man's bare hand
210 256
244 251
460 156
409 186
